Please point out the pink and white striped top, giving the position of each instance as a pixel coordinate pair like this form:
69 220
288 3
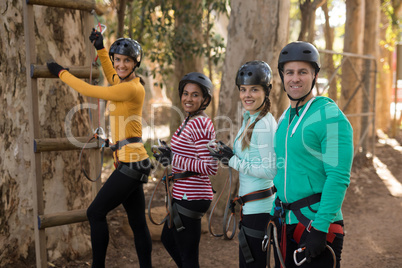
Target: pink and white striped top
191 154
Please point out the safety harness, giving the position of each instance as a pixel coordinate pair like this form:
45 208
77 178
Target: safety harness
173 210
304 225
123 168
245 231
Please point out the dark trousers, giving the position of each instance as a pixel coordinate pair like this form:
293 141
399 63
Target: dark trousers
128 191
183 246
256 222
324 260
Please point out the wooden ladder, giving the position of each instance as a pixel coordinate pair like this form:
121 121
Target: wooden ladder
39 145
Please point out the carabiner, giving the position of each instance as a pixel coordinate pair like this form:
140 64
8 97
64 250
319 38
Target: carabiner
299 250
214 147
265 243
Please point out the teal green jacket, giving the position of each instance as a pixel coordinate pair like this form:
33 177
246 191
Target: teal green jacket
314 155
256 163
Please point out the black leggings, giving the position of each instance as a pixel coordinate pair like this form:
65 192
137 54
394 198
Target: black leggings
120 189
256 222
183 246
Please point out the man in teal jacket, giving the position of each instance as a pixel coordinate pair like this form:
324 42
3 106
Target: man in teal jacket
314 149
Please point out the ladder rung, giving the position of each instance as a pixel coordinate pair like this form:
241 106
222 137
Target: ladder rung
63 144
41 71
62 218
87 5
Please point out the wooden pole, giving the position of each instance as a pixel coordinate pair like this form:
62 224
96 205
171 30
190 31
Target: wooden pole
41 71
32 101
62 218
87 5
63 144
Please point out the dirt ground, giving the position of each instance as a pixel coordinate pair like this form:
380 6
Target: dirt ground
372 224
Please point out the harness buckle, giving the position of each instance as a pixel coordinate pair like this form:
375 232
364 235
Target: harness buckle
264 243
299 250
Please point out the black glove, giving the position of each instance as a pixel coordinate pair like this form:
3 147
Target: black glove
97 39
165 155
223 154
55 68
316 241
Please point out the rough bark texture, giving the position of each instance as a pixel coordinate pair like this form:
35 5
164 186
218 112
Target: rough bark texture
328 64
307 10
60 35
188 25
371 47
351 70
258 30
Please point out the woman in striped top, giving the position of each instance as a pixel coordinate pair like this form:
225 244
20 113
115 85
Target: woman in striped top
191 166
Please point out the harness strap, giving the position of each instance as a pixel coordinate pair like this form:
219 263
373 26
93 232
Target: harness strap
119 144
135 174
246 231
296 206
334 229
253 196
177 209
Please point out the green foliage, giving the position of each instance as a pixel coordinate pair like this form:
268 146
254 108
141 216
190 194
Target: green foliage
165 38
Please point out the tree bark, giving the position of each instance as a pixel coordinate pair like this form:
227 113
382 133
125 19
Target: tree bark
350 100
328 65
307 10
371 47
59 34
188 24
383 96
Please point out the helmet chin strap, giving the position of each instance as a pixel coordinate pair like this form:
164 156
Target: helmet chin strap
122 79
302 98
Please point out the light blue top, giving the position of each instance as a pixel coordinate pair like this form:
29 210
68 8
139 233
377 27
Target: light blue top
256 164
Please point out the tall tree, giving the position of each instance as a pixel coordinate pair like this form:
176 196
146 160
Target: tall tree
371 42
188 55
350 100
258 30
59 34
328 64
307 10
388 37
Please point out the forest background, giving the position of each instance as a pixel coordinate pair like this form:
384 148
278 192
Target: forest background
213 37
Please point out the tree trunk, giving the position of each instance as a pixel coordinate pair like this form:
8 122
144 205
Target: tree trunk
371 47
258 30
188 32
384 89
328 65
59 34
350 100
307 10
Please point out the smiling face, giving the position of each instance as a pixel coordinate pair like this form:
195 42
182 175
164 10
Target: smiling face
123 65
192 98
298 78
252 97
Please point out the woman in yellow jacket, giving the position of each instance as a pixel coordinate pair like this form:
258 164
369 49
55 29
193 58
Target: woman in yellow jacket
125 185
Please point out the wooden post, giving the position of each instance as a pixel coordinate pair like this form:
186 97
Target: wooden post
62 144
87 5
62 218
41 71
34 132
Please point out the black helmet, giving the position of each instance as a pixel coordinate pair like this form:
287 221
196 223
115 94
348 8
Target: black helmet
200 79
299 51
255 72
127 47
